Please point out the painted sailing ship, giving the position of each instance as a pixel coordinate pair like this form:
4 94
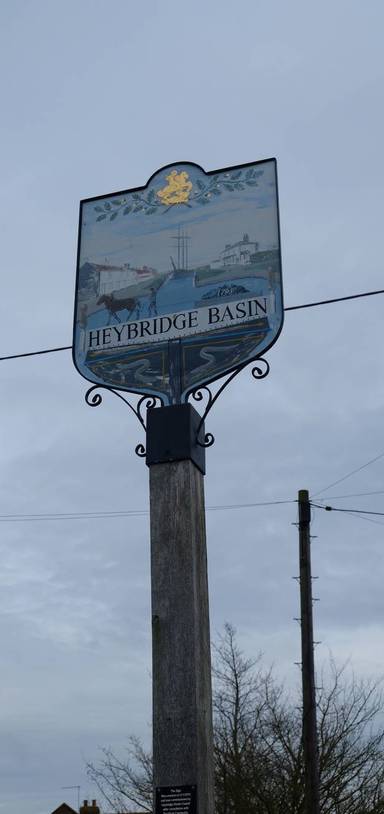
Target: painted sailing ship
181 270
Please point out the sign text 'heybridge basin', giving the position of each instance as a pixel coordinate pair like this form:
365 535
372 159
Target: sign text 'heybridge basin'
178 282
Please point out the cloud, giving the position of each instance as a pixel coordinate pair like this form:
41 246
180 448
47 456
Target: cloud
101 107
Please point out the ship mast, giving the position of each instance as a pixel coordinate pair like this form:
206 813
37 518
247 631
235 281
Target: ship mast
182 248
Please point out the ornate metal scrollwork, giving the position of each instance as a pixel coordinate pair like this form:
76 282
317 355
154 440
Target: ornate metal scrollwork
203 394
147 402
209 440
199 394
259 371
140 450
94 398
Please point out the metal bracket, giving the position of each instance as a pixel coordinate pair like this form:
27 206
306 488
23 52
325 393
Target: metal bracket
94 399
259 371
171 445
174 434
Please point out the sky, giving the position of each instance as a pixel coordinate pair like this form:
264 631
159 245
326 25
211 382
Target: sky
96 97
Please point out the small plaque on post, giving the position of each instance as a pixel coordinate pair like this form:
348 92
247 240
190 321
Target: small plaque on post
176 800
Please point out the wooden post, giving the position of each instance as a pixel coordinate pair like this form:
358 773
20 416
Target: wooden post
310 748
181 668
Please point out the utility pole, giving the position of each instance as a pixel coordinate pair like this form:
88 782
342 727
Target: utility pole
181 662
310 748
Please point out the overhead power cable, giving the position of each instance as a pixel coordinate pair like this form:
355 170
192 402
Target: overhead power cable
348 475
13 518
35 353
335 299
355 494
288 308
347 511
367 519
360 513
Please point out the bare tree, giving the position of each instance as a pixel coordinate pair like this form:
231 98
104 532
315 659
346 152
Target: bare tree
351 745
258 745
240 688
124 783
258 766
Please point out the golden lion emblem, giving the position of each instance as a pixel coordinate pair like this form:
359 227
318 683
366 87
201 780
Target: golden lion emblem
177 190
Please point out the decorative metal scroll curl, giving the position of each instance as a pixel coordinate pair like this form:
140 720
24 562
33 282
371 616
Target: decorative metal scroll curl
203 392
94 398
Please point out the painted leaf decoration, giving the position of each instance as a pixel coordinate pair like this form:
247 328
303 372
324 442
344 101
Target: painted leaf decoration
101 217
236 174
107 206
113 216
151 210
116 203
98 208
127 210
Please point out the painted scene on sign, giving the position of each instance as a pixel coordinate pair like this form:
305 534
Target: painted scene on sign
182 275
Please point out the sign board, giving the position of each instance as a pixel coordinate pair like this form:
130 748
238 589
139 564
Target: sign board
175 800
178 282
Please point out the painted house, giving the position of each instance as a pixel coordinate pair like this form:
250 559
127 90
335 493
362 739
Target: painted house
112 278
240 253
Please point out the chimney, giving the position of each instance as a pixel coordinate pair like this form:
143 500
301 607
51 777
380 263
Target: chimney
86 808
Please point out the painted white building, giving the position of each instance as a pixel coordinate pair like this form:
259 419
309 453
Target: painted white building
240 252
112 278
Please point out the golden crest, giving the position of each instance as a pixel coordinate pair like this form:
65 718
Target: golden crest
177 190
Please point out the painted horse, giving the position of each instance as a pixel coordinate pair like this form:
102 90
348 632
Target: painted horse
114 305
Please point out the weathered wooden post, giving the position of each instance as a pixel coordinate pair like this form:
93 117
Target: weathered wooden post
181 660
